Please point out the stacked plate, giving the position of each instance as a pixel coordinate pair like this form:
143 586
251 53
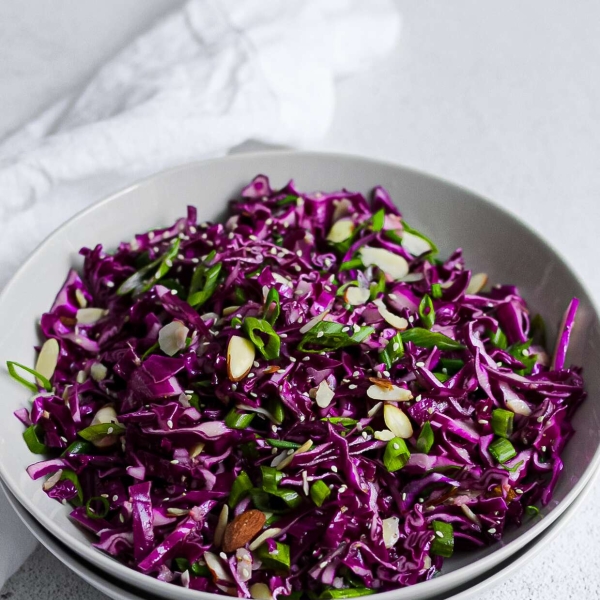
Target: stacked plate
491 240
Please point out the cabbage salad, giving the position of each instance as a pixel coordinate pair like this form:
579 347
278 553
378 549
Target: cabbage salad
304 401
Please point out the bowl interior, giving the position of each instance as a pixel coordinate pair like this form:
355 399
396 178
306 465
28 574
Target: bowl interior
492 241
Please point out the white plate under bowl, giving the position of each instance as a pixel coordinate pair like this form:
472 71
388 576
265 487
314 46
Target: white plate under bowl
116 590
493 241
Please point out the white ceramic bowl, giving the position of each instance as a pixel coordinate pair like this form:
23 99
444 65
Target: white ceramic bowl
493 241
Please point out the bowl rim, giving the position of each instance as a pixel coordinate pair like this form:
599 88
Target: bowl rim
432 586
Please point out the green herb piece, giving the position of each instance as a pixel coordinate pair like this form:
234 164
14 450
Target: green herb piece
319 492
144 279
443 539
502 422
335 594
512 469
95 433
239 295
276 409
150 351
30 435
272 306
279 560
95 513
378 220
79 447
452 365
377 287
12 371
502 450
240 489
289 199
182 564
426 438
521 352
238 420
72 477
256 329
282 444
441 377
200 570
396 454
436 290
204 283
236 321
344 421
270 478
393 352
427 312
532 511
498 339
353 263
428 339
328 335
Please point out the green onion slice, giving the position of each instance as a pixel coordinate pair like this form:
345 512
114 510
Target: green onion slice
257 330
502 450
12 371
278 560
502 422
30 435
393 352
428 339
396 454
443 539
95 513
427 312
319 492
328 335
238 420
95 433
240 489
426 439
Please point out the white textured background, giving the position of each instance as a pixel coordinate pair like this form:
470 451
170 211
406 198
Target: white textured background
502 97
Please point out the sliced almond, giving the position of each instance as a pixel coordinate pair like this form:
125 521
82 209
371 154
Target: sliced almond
240 357
385 435
283 280
267 534
391 531
374 409
398 423
324 394
342 208
356 296
52 480
391 264
290 457
386 384
243 529
197 449
221 525
89 316
393 394
98 371
477 283
399 323
228 310
172 337
216 568
310 324
414 244
178 512
341 231
470 514
244 562
47 359
107 414
80 297
260 591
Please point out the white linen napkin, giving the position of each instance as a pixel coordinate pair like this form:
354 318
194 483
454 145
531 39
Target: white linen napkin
203 80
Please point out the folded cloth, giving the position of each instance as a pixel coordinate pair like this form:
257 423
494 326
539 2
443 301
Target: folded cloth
203 80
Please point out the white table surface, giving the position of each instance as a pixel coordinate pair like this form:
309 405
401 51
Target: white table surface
502 97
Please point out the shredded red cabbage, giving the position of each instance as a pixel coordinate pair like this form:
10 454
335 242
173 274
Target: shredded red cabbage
312 359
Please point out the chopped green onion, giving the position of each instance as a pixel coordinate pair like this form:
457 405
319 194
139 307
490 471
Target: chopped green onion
521 352
79 447
377 287
282 444
150 351
319 492
72 477
393 352
254 328
502 450
378 220
278 560
443 539
95 514
452 365
428 339
396 454
289 199
11 366
182 564
426 438
271 314
239 295
436 290
348 265
204 283
514 468
270 478
498 339
95 433
238 420
427 312
142 280
335 594
502 422
441 377
173 284
276 409
328 335
344 421
532 511
199 570
30 435
236 321
240 489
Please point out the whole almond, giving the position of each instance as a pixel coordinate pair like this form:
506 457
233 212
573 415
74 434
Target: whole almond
243 529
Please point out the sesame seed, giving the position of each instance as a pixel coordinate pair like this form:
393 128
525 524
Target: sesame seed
306 358
255 363
323 564
344 329
292 359
492 530
482 422
356 327
395 346
204 236
386 373
543 448
421 500
420 364
269 221
540 419
499 363
170 424
418 398
518 490
251 375
364 435
234 386
223 555
115 498
174 462
328 263
104 495
298 268
110 430
151 235
439 534
484 409
320 334
403 496
299 253
411 318
281 371
352 386
174 292
193 229
283 335
195 260
254 394
334 469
